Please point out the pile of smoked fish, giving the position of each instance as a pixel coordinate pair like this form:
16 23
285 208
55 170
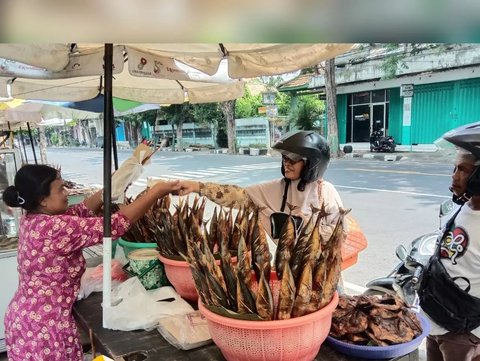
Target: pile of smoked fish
371 320
173 232
307 266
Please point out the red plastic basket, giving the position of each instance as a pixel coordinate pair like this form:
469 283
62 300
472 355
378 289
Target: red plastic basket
296 339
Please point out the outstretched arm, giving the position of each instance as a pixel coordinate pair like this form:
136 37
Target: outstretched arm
226 195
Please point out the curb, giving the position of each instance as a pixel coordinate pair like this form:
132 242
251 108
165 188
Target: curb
383 157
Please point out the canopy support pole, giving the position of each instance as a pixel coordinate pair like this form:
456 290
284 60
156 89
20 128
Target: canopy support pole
31 142
107 183
23 146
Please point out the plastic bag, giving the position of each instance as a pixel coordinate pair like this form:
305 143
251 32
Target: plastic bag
92 279
129 171
185 332
134 308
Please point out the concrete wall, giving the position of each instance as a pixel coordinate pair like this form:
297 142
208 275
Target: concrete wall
428 66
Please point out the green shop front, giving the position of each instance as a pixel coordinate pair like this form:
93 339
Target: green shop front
412 113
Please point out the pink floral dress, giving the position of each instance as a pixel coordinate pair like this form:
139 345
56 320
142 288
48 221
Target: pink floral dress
39 324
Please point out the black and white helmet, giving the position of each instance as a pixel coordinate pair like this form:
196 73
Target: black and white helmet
467 137
308 145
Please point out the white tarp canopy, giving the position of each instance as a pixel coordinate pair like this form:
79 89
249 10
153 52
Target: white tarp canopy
36 112
149 73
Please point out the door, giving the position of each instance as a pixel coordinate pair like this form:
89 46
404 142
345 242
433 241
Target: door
378 117
361 123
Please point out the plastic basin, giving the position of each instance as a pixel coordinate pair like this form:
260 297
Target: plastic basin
381 352
296 339
132 246
180 276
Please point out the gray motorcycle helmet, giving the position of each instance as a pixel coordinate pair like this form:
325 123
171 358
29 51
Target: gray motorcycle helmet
309 145
468 137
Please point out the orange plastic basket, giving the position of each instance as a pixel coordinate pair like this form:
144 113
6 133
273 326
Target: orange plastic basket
180 276
296 339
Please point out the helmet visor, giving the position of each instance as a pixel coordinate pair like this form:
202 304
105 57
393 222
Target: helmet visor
293 157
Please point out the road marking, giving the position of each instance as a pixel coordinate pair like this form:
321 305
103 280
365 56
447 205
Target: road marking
398 172
353 287
216 171
391 191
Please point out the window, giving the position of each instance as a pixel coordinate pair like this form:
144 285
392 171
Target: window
378 96
361 98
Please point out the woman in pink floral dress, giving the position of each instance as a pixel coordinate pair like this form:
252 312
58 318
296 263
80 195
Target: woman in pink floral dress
38 323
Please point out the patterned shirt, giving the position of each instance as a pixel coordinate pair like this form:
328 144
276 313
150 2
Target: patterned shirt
39 324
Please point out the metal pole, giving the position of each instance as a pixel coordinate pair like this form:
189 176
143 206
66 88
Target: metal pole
31 142
107 181
10 136
23 145
114 143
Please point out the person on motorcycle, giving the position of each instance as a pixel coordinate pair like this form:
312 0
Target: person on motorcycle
305 157
450 286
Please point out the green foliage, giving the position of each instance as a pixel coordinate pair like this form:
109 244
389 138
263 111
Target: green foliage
391 62
247 106
284 101
148 116
178 113
209 113
308 112
54 138
257 145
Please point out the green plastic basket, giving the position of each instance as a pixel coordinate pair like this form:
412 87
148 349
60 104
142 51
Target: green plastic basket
132 246
75 199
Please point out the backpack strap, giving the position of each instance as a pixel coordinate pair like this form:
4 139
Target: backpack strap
447 229
285 193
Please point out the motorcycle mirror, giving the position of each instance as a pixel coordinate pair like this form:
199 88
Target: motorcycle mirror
446 207
401 252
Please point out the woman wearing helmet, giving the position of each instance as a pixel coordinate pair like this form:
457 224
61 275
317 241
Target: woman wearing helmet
305 157
450 287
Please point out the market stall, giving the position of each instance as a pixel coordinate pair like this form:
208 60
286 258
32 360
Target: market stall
150 346
244 62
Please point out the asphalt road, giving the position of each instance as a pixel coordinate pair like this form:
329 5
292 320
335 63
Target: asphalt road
394 202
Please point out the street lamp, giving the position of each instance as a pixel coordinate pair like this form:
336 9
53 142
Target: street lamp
268 98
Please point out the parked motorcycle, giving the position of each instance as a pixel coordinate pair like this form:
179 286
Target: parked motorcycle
403 279
380 143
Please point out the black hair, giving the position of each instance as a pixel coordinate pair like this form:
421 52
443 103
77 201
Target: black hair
32 185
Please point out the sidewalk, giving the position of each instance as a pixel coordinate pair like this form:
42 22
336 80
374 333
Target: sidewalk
422 152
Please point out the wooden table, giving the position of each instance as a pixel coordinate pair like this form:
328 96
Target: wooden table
151 346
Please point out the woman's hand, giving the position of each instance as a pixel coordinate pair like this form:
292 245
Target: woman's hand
165 187
187 187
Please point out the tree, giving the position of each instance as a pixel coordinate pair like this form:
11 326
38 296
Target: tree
177 114
284 103
211 114
84 125
228 109
133 124
331 93
247 106
307 113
